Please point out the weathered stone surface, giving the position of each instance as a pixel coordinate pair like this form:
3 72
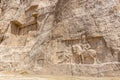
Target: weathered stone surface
72 37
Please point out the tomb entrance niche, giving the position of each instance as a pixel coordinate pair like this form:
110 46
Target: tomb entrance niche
15 27
21 34
27 29
19 29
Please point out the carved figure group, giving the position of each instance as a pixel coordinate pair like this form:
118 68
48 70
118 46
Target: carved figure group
84 50
78 54
63 57
77 49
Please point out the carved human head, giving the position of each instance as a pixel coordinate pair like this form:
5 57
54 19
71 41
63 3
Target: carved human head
74 48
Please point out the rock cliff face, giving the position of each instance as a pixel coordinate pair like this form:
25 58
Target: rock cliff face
72 37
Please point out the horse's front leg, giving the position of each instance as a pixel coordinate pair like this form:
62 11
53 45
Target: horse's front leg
95 60
82 59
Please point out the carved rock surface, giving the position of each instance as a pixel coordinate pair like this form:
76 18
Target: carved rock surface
40 35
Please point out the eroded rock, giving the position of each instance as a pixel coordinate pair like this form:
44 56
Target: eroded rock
66 35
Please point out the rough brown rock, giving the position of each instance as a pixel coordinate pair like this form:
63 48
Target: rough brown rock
40 35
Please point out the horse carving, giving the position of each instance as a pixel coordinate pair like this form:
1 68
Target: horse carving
77 49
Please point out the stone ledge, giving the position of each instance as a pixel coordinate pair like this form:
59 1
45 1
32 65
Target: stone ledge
99 70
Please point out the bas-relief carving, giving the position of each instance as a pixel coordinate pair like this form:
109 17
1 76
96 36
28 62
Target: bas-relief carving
75 52
72 46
